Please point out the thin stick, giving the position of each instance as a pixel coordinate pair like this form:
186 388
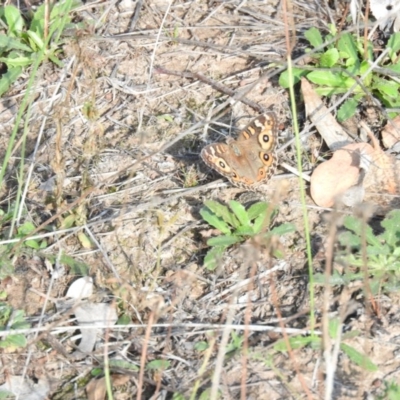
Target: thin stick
216 85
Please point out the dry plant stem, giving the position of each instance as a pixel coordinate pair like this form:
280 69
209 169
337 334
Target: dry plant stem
273 289
166 341
366 16
144 355
203 367
58 166
221 354
247 319
342 21
136 14
326 340
153 55
275 302
104 253
39 138
107 363
215 85
57 329
35 338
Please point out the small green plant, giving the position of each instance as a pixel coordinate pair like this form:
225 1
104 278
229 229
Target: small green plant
237 225
297 342
21 45
381 255
339 63
11 320
392 391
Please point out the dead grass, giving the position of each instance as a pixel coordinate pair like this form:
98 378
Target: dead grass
112 124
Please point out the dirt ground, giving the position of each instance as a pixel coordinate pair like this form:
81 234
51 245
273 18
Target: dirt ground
122 140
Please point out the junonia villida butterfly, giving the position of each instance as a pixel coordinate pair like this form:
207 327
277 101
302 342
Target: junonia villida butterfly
250 159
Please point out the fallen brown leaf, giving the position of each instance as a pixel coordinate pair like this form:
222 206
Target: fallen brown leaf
332 178
391 133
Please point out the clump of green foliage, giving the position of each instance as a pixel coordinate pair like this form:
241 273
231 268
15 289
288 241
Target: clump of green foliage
297 342
364 251
341 63
237 225
23 39
12 320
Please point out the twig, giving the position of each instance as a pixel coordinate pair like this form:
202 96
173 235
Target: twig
216 85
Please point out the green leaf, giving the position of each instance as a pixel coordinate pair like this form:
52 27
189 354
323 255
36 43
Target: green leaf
36 39
389 88
85 240
77 267
349 239
223 212
25 229
9 78
124 319
329 58
13 341
213 257
223 240
123 364
296 342
347 110
8 43
283 229
392 228
262 222
348 45
332 29
4 394
201 346
333 327
313 35
330 90
33 244
359 227
97 372
55 60
68 222
297 74
15 62
394 45
336 279
240 212
327 78
14 20
360 359
214 221
157 365
257 209
37 24
244 231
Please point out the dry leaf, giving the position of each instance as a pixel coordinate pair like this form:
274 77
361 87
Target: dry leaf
93 314
330 130
382 183
332 178
391 133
